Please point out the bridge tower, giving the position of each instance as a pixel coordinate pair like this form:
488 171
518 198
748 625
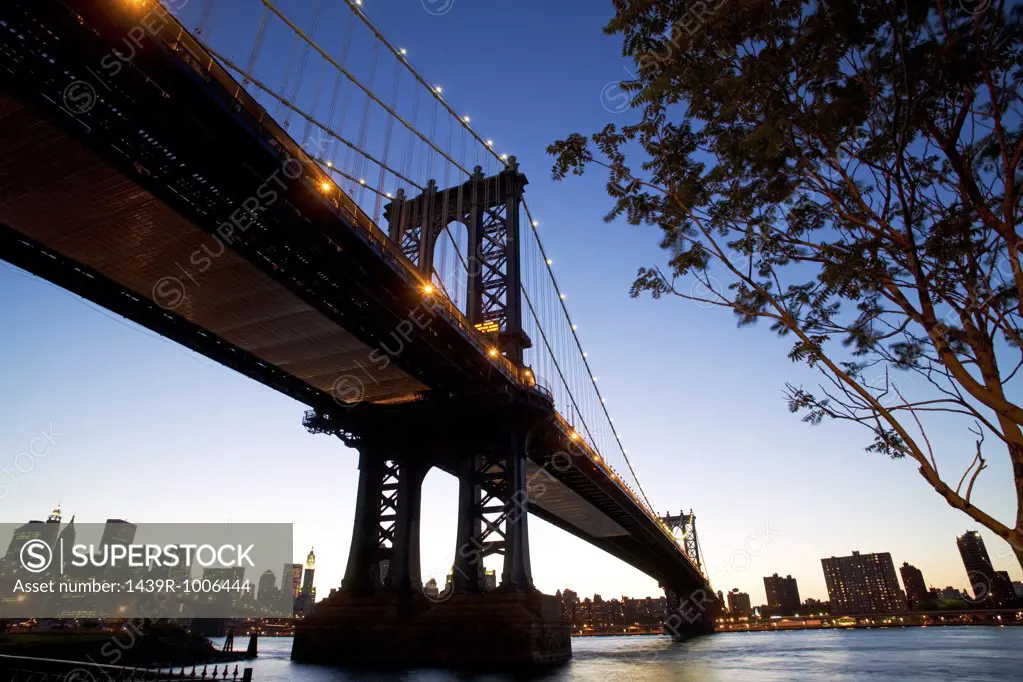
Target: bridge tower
479 436
489 207
684 524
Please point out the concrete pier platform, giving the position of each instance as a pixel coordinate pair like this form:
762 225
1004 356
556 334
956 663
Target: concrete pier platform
493 630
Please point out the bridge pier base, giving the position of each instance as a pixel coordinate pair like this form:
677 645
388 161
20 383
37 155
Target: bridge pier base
690 615
493 630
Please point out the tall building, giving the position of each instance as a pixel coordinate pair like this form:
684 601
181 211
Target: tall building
291 579
118 532
310 571
738 603
916 588
863 583
782 594
267 591
988 585
46 531
569 603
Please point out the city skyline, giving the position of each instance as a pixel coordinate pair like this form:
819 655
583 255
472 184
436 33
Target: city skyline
785 589
127 402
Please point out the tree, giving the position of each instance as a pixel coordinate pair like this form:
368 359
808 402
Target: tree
853 169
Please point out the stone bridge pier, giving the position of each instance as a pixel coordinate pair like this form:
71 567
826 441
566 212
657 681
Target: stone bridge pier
382 616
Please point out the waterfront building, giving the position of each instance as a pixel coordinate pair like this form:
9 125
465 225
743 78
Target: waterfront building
782 594
916 588
952 594
739 603
989 586
646 611
569 604
863 583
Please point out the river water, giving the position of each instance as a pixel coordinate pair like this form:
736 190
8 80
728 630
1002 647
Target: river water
991 654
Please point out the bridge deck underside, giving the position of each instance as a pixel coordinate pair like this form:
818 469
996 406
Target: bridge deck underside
64 196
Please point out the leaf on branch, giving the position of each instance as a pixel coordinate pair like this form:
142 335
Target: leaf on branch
888 442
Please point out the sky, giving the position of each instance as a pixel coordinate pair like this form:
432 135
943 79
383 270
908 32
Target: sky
148 431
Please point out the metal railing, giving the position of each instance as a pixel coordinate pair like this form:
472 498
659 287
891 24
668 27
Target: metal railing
32 669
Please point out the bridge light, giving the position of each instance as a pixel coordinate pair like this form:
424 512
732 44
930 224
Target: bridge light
358 2
438 88
573 436
574 327
585 354
388 195
603 400
490 143
466 118
536 223
325 186
428 289
330 164
403 51
492 352
504 157
550 262
563 297
361 181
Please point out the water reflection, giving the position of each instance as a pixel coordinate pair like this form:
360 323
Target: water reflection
964 654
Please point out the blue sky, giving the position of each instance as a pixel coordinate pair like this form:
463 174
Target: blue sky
153 432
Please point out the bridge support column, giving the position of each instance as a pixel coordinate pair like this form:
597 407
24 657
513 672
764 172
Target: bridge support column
386 527
493 517
404 576
517 575
396 623
690 614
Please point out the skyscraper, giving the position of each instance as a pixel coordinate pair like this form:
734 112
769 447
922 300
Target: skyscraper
738 602
46 531
782 594
863 583
118 532
913 581
310 571
291 579
988 585
267 587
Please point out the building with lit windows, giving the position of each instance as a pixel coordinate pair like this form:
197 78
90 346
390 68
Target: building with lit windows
916 588
782 594
307 596
33 530
291 579
863 583
989 586
738 603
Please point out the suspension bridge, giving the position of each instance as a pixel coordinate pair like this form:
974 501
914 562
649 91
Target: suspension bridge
312 212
